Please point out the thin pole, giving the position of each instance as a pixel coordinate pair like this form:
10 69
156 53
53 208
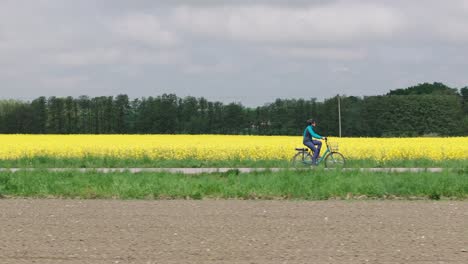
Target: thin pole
339 114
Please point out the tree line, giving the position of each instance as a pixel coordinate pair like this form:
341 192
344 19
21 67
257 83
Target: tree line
426 109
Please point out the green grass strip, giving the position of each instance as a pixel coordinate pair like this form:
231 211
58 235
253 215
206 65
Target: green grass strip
308 185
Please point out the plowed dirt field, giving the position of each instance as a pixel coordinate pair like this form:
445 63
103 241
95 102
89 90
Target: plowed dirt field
232 231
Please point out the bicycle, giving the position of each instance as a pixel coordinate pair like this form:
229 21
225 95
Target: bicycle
331 157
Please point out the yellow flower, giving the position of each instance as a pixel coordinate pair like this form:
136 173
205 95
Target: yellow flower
222 147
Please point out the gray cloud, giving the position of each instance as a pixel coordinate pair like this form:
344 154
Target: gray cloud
143 28
329 23
248 51
301 53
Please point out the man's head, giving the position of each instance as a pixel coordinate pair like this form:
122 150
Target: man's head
311 122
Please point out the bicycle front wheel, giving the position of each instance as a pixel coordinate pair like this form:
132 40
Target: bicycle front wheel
301 160
335 160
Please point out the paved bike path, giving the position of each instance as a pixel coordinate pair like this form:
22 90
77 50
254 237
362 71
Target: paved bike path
210 170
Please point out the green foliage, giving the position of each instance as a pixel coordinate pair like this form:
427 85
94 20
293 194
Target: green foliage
426 88
413 115
425 109
464 94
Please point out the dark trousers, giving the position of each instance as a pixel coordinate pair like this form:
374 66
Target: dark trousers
311 144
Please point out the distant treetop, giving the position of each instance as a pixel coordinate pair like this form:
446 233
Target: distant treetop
426 88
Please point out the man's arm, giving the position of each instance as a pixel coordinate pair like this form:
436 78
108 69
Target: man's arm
312 132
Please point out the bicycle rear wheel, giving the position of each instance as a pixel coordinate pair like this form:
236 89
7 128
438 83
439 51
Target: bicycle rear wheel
335 160
301 160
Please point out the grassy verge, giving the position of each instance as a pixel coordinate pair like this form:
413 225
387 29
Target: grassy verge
112 162
309 185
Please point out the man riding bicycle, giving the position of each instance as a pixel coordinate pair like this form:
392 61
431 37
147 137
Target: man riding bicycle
308 141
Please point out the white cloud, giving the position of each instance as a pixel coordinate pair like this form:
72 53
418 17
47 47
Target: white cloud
144 28
87 57
319 53
437 22
453 30
193 68
464 5
340 69
329 23
118 56
92 47
453 25
157 57
64 82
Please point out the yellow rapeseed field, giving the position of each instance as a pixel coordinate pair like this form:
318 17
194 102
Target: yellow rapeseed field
222 147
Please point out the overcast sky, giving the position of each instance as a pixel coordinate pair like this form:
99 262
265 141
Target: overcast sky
244 51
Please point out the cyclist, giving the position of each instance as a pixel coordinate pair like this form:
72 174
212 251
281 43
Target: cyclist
308 141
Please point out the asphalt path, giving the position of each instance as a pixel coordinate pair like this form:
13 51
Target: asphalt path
211 170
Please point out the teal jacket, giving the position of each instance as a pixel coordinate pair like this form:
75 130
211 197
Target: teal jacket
309 133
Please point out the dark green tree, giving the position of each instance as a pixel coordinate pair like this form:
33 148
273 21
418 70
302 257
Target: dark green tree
39 117
120 114
426 88
55 123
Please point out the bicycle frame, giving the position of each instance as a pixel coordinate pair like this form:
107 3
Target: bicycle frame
324 155
304 156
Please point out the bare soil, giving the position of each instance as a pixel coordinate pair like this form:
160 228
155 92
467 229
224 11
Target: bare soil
232 231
